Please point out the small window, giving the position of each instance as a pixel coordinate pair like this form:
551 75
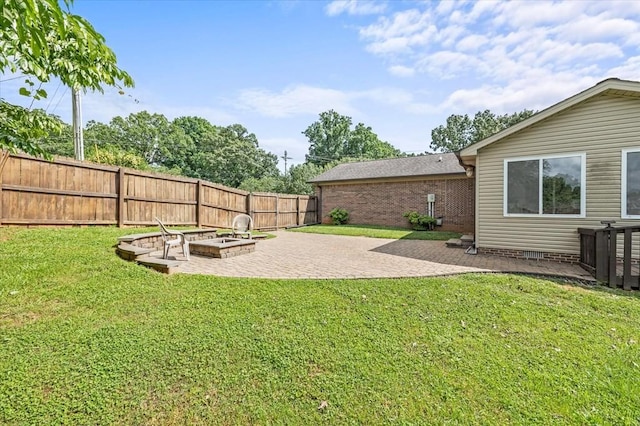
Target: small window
545 186
631 183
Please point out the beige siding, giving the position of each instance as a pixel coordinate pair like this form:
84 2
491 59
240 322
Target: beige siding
599 127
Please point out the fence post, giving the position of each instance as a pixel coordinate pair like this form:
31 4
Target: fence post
319 205
277 211
626 278
298 210
249 206
613 253
199 204
602 256
120 192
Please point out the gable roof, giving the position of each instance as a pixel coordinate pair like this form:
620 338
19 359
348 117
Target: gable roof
423 165
612 85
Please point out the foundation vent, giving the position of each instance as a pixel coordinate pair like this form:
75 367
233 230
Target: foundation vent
527 254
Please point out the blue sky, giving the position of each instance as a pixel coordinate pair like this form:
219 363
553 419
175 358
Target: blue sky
400 67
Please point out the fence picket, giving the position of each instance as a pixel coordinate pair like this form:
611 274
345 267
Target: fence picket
81 193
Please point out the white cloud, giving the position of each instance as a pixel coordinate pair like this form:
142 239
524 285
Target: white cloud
449 35
294 100
518 94
400 33
402 71
594 28
354 7
524 15
472 42
449 64
497 44
308 100
629 70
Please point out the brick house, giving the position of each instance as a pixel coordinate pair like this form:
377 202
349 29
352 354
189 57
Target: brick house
378 192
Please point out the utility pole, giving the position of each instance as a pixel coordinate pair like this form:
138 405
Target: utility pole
78 141
285 158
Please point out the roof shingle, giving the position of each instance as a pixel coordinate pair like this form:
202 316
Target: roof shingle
423 165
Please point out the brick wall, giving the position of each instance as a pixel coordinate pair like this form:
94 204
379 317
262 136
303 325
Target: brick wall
520 254
382 203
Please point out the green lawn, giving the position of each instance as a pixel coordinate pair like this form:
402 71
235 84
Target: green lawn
87 338
377 232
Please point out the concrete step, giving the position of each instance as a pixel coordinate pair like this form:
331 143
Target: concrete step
454 242
130 252
166 266
463 242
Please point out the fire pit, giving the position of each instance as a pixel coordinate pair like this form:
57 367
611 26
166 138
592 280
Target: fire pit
222 247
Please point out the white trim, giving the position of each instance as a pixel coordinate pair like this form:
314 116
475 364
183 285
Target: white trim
623 186
540 158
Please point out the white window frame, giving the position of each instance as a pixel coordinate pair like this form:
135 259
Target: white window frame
623 181
540 158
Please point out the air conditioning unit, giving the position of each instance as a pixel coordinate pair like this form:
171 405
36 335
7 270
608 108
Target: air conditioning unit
431 198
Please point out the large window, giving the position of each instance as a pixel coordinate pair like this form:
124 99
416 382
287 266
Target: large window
551 185
631 183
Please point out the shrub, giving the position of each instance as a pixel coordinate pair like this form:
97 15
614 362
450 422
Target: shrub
339 216
419 222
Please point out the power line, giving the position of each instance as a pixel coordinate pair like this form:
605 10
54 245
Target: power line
59 100
54 95
12 78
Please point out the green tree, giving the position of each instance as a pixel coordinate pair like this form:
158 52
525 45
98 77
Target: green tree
332 139
328 137
364 143
116 156
264 184
204 137
299 176
231 157
151 137
41 40
293 182
100 134
461 131
59 141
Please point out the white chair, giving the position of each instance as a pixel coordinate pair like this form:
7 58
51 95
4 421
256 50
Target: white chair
242 226
173 239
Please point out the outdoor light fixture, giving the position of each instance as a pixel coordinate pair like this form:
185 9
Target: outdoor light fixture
469 171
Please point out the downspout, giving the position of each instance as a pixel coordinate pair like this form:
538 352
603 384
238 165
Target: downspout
318 192
470 171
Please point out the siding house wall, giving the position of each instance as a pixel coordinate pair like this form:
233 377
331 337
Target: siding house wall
601 127
382 202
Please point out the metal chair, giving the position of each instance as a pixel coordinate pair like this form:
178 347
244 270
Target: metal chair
173 239
242 226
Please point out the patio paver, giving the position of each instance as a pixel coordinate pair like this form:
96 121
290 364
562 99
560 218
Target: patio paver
302 255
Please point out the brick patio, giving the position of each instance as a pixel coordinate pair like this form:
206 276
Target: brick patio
302 255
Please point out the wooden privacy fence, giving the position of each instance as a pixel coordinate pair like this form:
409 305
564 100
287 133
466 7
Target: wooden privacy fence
609 254
34 191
